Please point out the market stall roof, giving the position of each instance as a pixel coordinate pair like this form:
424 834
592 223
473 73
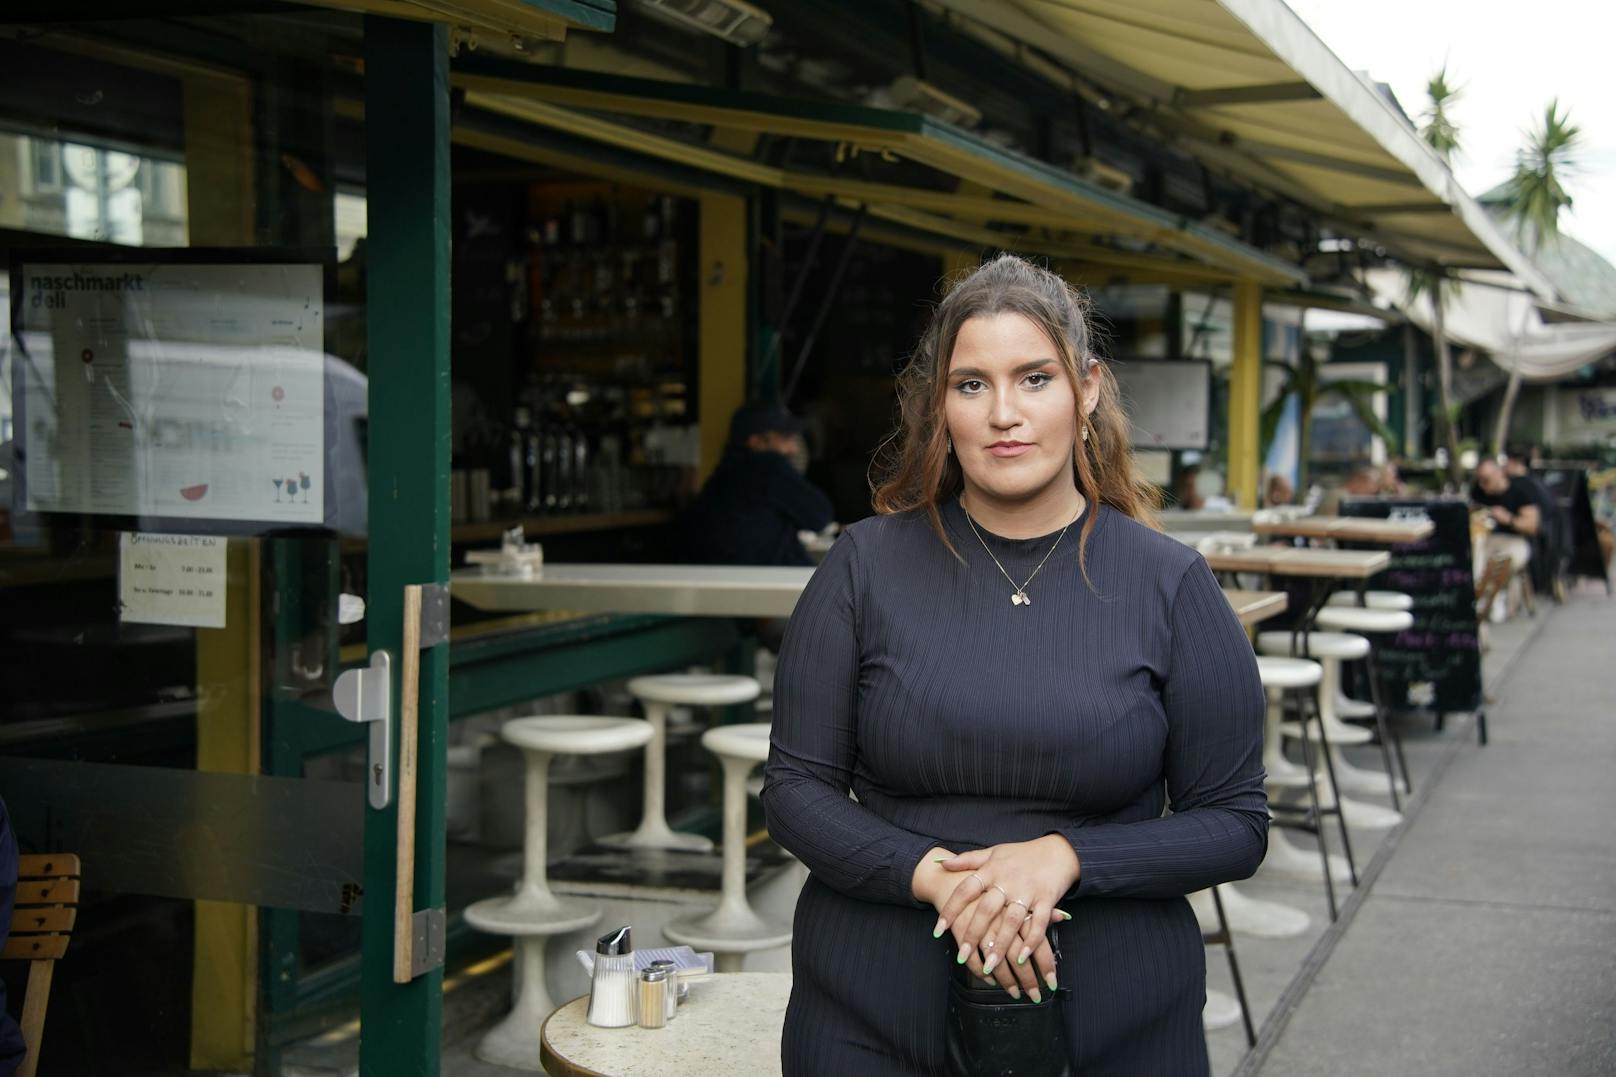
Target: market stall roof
536 20
904 167
1247 86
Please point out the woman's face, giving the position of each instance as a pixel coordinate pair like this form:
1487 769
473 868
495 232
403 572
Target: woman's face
1011 409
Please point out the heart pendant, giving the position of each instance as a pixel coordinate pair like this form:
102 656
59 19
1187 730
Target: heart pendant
1020 599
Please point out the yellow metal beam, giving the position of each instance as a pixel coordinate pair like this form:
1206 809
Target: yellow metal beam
1245 395
224 968
721 258
217 110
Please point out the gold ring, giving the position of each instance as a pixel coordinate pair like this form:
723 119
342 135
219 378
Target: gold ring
1018 901
979 879
1003 891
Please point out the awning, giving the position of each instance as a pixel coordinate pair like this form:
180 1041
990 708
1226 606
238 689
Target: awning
903 167
1490 313
1245 85
537 20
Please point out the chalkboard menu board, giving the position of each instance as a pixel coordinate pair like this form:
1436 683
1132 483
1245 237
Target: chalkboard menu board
1435 665
1569 485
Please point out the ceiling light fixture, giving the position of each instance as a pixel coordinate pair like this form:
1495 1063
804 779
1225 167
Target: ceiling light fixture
736 21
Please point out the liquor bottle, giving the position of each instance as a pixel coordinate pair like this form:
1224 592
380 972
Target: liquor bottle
516 455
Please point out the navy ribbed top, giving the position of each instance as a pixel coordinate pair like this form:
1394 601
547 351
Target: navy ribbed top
961 720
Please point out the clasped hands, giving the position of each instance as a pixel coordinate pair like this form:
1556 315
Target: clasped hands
998 904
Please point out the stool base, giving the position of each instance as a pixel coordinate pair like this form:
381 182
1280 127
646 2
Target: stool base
658 838
1248 916
1221 1011
1287 860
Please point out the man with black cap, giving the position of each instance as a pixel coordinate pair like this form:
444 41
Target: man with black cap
757 499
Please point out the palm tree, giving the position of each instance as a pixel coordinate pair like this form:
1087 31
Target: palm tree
1442 135
1303 380
1533 199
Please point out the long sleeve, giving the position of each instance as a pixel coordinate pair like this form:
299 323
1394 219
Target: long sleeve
813 745
1214 704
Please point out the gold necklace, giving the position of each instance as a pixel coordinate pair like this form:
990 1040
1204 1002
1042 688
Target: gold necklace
1018 597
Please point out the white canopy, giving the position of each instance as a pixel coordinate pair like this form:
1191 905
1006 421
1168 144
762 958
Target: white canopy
1491 313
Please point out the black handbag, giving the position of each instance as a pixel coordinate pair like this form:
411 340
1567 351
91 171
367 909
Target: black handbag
990 1034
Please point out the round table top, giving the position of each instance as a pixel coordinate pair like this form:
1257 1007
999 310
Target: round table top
730 1025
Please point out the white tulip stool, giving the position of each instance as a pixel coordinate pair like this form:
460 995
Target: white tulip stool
1345 705
1300 678
732 930
1375 600
659 694
1376 624
532 914
1330 649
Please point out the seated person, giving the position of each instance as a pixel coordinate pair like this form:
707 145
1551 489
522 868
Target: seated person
1362 481
1549 544
757 499
1278 491
1515 518
1186 489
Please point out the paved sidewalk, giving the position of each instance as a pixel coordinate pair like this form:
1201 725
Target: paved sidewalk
1488 943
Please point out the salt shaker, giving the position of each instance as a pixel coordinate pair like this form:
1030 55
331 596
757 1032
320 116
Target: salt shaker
655 994
611 989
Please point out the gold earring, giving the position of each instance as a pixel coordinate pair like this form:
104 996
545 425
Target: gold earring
951 445
1085 433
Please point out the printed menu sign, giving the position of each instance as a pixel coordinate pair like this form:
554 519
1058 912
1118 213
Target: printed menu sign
1436 664
171 579
174 391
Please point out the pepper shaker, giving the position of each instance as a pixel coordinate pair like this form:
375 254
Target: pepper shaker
655 994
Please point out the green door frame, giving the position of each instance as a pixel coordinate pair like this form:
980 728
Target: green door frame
407 180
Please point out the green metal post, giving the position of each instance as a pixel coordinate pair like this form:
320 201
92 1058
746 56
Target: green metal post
407 181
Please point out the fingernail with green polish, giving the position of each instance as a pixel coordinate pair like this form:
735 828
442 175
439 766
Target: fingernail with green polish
1036 997
939 859
942 925
1049 978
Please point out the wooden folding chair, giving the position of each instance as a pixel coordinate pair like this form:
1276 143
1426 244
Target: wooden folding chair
1494 580
41 921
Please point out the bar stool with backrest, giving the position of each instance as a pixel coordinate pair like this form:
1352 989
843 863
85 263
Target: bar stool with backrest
533 913
733 929
659 694
1376 624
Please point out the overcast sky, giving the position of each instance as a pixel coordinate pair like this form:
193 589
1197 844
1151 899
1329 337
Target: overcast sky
1510 57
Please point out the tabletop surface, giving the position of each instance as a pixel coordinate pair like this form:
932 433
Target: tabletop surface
1349 528
1254 607
730 1025
692 590
1289 561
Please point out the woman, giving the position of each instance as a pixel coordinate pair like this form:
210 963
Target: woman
1010 664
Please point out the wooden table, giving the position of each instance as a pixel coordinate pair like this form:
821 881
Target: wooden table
1254 607
1316 567
1289 561
1349 529
729 1027
705 590
687 590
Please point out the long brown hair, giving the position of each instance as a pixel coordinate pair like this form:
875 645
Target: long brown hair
918 470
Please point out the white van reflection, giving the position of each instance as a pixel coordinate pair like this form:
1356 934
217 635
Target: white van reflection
210 428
